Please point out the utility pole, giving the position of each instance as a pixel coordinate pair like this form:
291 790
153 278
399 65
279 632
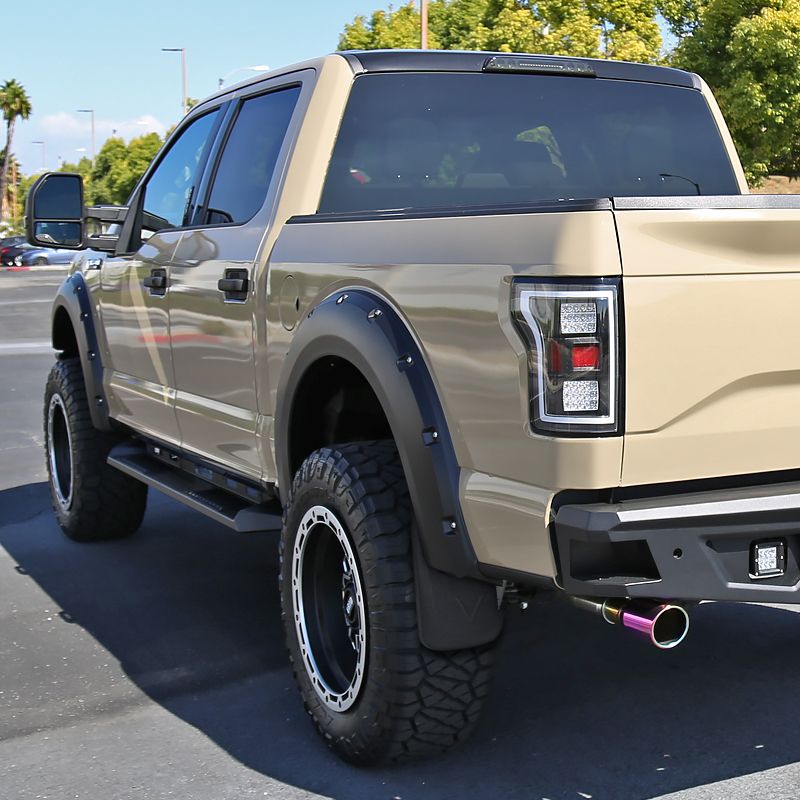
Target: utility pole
423 20
184 75
90 111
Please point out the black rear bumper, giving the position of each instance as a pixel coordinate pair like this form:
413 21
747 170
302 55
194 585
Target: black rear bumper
682 547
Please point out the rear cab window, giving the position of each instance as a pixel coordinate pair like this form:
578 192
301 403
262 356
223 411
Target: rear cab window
427 140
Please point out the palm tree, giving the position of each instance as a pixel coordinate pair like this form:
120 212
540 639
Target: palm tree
14 102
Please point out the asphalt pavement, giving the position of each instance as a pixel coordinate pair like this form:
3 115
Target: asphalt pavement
155 667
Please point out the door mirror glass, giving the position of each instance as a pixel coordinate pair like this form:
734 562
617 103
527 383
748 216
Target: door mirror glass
60 196
60 234
54 211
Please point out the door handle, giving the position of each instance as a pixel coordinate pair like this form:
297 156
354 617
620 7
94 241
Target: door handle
235 284
156 281
228 285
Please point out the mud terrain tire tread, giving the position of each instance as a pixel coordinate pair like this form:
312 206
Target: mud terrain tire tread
106 503
414 702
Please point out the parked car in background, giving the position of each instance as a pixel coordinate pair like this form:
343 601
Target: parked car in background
11 241
42 256
9 253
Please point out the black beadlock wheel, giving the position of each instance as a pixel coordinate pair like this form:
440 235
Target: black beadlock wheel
92 500
374 692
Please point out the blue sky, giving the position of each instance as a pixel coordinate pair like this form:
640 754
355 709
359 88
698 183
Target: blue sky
107 56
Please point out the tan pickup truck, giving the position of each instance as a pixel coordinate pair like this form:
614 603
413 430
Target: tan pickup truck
462 327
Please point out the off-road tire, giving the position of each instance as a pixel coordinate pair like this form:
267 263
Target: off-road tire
92 500
412 702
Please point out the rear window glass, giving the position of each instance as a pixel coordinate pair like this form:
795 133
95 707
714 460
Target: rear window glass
426 140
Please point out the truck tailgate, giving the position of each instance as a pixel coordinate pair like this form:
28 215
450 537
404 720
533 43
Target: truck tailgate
712 340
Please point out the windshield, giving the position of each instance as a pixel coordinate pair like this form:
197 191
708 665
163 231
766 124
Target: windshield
418 140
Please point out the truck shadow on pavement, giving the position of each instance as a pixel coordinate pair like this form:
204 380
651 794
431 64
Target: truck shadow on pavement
578 709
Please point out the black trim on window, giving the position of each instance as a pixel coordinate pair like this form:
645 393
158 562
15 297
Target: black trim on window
546 207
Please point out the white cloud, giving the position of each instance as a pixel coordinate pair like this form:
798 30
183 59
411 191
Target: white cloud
68 136
78 126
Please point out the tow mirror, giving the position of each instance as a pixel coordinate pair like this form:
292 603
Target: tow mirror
54 211
55 216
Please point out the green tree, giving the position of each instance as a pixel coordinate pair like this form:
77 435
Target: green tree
393 29
84 168
14 104
748 51
117 168
625 29
682 16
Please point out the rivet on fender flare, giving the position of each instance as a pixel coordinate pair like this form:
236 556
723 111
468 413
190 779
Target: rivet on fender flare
404 362
430 436
449 527
341 299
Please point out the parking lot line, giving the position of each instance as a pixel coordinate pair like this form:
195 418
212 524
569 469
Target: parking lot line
23 348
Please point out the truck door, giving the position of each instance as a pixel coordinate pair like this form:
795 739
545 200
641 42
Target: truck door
135 288
213 284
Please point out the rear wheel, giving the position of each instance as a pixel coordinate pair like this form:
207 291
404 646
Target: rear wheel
374 692
40 261
92 500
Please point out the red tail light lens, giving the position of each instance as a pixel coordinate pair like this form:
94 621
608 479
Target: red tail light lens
586 356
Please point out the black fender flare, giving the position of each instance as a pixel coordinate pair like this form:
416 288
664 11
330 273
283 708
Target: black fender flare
73 298
455 607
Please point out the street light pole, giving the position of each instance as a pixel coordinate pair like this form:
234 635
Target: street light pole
90 111
256 68
423 20
44 153
184 74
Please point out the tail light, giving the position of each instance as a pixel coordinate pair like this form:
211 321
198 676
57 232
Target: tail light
572 331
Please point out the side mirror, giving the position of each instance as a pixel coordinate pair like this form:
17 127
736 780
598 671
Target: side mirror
54 211
55 216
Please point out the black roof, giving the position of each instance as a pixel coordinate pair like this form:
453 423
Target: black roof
464 61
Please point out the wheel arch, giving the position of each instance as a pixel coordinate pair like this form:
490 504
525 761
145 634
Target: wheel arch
359 335
73 334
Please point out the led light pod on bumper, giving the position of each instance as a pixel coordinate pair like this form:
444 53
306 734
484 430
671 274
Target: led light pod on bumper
572 332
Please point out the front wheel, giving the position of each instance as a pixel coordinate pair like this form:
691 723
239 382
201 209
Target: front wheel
374 692
92 500
40 261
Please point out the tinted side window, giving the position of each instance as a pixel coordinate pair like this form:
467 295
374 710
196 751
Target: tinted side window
249 157
169 189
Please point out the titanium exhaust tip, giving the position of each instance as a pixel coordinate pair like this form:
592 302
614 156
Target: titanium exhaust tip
664 624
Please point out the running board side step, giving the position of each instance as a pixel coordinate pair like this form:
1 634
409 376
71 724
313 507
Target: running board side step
222 506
